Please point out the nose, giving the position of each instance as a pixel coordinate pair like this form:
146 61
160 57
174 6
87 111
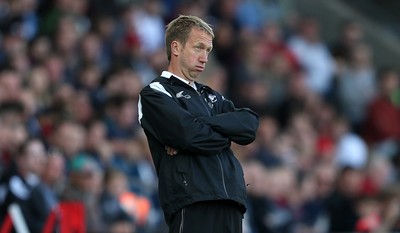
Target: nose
204 57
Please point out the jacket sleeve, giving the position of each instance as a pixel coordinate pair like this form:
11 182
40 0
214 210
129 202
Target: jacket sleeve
238 124
173 126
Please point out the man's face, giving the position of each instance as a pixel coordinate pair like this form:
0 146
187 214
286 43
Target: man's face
36 157
193 56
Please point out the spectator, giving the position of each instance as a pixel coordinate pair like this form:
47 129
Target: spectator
341 204
280 61
113 213
119 119
249 86
55 69
251 14
356 86
85 186
18 185
379 174
80 107
309 204
257 179
351 149
67 44
30 112
269 198
267 134
13 132
44 200
304 138
313 55
97 145
38 83
390 213
69 137
368 211
10 85
136 206
22 19
350 34
295 99
149 25
91 53
54 176
382 114
52 16
39 49
225 44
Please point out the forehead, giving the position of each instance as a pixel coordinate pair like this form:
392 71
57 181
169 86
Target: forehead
35 148
200 36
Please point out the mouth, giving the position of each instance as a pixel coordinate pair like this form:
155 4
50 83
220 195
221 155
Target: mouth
199 68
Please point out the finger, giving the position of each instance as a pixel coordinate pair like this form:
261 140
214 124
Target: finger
170 151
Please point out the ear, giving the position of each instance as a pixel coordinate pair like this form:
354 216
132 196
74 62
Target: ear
175 47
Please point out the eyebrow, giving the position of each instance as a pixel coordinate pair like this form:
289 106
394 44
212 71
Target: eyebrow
203 45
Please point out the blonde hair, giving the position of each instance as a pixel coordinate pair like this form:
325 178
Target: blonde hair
180 28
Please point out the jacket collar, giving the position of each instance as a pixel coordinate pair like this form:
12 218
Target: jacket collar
167 74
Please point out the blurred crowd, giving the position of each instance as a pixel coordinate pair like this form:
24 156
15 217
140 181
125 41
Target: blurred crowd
326 157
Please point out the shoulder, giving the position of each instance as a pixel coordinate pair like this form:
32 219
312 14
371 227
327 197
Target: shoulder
157 85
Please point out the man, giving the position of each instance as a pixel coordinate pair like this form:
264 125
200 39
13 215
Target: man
43 200
84 187
189 128
21 180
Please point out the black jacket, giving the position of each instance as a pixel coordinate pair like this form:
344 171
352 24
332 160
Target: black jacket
200 125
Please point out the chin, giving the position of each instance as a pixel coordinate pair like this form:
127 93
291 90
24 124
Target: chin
195 75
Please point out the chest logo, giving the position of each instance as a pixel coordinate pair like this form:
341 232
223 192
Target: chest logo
181 94
212 98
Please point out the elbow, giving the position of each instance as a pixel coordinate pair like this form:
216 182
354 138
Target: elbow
251 133
244 138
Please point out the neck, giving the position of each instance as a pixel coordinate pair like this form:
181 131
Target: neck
178 73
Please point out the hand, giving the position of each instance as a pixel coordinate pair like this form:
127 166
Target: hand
171 151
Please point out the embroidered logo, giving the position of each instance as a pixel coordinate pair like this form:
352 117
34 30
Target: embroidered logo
212 98
180 95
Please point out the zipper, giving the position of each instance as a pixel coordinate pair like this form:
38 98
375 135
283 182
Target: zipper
219 159
204 101
182 220
222 175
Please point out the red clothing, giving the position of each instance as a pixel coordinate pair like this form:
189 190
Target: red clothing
275 49
383 121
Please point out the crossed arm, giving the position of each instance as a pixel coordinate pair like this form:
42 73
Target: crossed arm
181 131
